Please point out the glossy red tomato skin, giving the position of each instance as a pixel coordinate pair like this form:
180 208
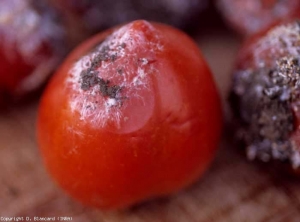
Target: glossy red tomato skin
162 144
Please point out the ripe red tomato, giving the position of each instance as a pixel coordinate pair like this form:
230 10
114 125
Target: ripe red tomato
132 114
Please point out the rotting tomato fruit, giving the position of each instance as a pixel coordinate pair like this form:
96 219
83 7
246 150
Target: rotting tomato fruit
251 16
265 94
132 114
31 45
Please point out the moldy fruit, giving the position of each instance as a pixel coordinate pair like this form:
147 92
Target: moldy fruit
31 45
251 16
265 94
132 114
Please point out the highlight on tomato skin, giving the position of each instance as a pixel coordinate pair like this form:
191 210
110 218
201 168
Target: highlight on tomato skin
132 114
30 45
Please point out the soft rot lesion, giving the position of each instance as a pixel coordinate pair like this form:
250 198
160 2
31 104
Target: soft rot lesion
117 73
89 77
263 99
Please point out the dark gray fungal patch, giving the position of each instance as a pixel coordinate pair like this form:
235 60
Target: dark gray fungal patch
262 100
90 76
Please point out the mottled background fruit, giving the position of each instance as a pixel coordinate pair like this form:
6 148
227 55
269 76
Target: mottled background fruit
95 15
32 43
251 16
265 94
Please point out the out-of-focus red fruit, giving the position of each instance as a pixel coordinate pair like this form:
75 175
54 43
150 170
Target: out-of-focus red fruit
266 94
251 16
31 45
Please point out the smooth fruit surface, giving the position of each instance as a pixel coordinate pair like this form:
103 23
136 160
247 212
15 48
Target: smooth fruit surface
132 114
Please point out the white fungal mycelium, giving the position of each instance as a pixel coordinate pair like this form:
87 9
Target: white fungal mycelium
133 75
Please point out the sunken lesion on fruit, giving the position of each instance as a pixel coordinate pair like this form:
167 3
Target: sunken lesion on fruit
91 79
263 100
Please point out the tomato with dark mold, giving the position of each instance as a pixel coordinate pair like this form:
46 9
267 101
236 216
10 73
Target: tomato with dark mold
265 94
132 114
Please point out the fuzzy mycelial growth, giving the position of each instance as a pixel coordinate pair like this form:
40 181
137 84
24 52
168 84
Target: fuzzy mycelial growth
265 94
